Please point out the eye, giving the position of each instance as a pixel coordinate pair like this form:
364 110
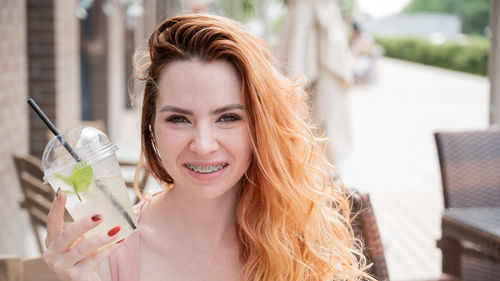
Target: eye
177 119
229 118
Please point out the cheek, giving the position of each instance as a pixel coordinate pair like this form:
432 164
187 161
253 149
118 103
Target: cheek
243 146
169 143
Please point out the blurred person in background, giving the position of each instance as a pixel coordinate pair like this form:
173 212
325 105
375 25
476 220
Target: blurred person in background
365 54
314 43
248 195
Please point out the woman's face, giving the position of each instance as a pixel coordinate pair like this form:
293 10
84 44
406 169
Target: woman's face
201 126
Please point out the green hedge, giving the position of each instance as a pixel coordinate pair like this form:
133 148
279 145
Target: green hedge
469 57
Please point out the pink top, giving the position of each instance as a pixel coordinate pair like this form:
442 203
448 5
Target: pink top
124 262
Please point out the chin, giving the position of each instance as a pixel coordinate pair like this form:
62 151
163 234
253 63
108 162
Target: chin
212 192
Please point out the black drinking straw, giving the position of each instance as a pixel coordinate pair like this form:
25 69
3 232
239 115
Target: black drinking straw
102 187
52 128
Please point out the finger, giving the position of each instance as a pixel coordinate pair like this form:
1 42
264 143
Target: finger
78 240
55 220
91 261
88 246
75 231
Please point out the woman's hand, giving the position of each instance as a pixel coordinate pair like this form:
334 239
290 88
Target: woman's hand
68 253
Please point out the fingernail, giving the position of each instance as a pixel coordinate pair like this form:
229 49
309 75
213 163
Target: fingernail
96 217
114 231
58 193
120 241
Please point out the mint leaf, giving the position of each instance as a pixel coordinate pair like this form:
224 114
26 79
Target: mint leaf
81 177
67 180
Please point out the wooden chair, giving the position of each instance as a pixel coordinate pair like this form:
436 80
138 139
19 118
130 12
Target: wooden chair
365 227
11 269
37 196
18 269
470 172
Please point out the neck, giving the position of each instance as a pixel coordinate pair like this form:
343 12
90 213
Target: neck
200 222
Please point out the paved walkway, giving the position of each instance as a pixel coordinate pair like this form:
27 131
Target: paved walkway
394 158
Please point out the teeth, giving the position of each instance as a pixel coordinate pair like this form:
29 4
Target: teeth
206 169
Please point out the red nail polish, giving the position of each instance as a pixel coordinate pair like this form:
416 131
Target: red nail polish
114 231
96 217
58 193
120 241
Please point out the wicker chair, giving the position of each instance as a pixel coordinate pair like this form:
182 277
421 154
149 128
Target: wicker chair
365 227
470 165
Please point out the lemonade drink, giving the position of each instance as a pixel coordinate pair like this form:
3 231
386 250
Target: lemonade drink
94 184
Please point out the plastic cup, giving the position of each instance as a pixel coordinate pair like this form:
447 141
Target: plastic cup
94 184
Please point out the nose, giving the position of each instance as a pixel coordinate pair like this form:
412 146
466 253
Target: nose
204 140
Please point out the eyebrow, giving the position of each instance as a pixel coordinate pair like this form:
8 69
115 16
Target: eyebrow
171 108
228 108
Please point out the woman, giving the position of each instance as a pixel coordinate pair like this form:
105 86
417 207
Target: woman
248 196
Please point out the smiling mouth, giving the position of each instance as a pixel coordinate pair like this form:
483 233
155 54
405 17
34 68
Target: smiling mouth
205 169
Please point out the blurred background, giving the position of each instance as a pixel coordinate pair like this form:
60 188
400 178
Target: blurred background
385 75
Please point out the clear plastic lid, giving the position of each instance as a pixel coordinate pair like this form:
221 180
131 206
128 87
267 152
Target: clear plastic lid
88 143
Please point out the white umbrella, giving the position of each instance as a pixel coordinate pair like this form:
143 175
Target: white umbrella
314 43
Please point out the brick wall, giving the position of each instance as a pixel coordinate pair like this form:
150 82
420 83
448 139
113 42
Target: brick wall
15 230
53 66
41 68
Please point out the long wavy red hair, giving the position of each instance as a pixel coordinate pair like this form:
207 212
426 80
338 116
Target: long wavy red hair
293 223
